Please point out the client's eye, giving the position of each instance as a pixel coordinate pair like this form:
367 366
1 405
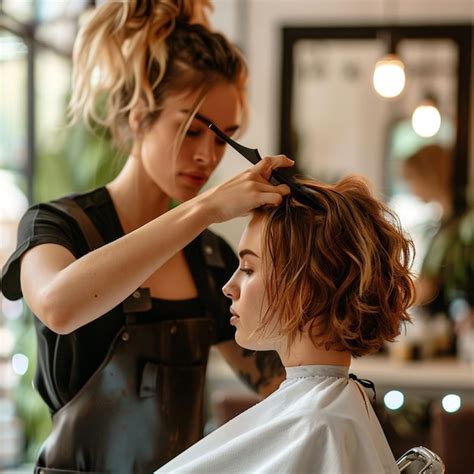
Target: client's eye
247 271
192 133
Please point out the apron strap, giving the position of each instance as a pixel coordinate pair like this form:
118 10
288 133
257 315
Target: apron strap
94 240
89 230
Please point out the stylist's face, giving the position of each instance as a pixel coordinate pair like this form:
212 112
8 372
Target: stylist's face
181 176
247 292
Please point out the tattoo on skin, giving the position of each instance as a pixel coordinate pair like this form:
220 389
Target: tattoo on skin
268 365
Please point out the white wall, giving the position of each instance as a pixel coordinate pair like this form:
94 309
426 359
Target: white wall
261 39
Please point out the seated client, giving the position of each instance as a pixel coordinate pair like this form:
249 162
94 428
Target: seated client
318 286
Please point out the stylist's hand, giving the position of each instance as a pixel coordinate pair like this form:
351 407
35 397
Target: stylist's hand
247 190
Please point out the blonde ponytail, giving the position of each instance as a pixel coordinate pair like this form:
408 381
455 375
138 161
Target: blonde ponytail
121 56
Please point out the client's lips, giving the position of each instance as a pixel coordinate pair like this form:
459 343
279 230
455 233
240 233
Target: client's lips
234 317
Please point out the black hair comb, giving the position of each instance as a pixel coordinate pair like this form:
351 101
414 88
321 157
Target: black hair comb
277 176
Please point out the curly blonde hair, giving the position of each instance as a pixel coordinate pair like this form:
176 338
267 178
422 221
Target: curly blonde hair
342 271
147 50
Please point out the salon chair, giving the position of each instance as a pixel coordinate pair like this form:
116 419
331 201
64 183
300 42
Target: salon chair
425 460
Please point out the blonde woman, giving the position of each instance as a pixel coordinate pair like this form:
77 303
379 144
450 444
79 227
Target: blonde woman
319 286
125 292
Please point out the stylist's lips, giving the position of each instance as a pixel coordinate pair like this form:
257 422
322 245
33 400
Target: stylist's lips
196 178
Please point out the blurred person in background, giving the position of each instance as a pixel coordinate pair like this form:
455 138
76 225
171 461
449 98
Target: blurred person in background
125 290
319 286
446 280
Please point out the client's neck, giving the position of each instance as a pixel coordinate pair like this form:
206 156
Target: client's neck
303 352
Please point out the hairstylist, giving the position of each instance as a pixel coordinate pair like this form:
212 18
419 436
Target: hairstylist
127 293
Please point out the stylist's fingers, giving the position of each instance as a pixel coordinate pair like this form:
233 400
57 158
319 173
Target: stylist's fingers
278 190
270 199
266 193
269 163
282 189
246 191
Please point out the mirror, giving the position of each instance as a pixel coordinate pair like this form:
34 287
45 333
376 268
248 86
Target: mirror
341 125
334 123
332 120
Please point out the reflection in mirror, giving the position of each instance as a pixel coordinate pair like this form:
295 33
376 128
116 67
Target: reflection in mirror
340 125
431 66
332 90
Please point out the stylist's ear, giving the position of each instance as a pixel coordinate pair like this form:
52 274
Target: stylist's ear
135 117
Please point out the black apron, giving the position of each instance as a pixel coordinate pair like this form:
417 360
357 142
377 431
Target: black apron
144 404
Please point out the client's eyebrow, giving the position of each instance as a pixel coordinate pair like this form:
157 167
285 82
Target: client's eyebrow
245 252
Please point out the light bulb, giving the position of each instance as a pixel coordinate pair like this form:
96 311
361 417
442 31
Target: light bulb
426 119
451 403
389 76
394 399
19 363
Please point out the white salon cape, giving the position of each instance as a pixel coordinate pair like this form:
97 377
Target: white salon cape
318 421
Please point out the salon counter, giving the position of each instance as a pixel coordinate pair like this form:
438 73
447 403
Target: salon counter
431 378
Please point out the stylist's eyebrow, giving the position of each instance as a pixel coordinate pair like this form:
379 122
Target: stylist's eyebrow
245 252
230 129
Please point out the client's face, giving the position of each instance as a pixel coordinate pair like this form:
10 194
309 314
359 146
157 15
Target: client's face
247 292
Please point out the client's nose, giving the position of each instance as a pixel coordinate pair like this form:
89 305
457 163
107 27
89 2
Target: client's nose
230 289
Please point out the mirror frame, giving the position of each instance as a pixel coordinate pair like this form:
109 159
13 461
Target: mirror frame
460 34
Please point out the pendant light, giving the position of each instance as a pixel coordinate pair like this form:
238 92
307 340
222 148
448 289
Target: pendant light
426 118
389 72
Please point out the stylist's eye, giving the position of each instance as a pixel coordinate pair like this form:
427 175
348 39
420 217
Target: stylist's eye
192 133
247 271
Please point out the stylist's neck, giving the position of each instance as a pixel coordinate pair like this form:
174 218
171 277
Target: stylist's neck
137 199
303 352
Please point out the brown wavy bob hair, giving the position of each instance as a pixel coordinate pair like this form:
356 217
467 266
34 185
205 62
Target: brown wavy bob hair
342 272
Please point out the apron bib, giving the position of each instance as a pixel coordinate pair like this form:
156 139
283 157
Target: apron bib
142 407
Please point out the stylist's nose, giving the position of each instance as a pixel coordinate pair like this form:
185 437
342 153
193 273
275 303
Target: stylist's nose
205 153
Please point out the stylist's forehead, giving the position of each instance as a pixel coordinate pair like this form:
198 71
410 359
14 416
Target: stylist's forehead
251 242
